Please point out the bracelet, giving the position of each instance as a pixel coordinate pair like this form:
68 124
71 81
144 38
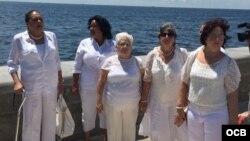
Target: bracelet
180 108
143 101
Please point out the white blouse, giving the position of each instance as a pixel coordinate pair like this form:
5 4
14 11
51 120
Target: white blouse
123 80
165 78
89 58
38 74
210 83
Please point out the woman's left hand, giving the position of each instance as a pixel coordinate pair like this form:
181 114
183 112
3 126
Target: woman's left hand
180 117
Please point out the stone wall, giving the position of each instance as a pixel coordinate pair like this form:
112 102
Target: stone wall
8 111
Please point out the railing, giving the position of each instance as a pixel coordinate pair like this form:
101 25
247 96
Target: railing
8 112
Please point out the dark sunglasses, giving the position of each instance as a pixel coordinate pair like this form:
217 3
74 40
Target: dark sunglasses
164 34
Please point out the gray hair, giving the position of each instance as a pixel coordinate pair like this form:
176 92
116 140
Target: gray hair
121 35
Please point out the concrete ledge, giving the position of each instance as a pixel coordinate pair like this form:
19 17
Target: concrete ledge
8 112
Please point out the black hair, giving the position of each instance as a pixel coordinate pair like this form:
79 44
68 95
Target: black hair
104 26
210 25
171 28
27 15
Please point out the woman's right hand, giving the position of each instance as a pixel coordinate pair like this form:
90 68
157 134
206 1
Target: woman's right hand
18 88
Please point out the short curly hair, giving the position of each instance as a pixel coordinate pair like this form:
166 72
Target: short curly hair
104 25
210 25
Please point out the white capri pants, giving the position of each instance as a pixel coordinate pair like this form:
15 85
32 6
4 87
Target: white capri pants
89 112
39 118
206 125
121 121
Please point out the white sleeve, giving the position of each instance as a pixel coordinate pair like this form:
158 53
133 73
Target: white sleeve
148 67
13 59
78 59
233 77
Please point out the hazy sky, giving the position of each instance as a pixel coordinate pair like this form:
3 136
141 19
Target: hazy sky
225 4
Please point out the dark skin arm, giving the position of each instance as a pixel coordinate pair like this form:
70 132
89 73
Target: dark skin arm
100 88
75 84
18 86
60 83
232 101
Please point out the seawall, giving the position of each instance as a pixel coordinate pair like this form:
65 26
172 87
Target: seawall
8 112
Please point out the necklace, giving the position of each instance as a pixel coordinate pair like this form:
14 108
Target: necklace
36 38
167 54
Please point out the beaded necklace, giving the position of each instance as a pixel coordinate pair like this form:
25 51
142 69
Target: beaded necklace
36 38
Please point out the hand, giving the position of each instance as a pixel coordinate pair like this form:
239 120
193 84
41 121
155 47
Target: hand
99 107
143 106
18 88
60 89
75 89
180 117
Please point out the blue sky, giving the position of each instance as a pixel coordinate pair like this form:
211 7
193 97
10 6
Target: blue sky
225 4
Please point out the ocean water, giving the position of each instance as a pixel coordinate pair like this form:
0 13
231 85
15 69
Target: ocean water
69 22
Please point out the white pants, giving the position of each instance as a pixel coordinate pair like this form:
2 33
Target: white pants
89 112
206 126
39 118
162 123
121 121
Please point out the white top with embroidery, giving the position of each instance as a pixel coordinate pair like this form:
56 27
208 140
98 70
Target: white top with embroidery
165 78
209 84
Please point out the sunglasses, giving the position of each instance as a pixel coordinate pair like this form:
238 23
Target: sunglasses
164 34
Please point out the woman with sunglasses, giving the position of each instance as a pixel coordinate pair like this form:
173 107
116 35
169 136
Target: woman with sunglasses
35 51
210 80
160 85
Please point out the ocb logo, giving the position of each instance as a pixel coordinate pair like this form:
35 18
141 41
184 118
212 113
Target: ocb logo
236 132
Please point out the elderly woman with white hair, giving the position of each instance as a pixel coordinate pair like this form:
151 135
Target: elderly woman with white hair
120 82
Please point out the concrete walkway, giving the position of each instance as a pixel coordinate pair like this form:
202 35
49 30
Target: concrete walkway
100 138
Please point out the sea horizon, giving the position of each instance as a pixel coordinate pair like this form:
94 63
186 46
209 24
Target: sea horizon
69 23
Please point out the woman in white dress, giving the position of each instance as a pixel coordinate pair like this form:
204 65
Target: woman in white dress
119 81
90 55
209 86
160 86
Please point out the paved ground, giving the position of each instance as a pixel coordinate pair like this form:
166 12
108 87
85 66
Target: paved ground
100 138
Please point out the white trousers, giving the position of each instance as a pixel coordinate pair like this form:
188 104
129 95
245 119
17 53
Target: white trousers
162 123
121 121
206 126
39 118
89 112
